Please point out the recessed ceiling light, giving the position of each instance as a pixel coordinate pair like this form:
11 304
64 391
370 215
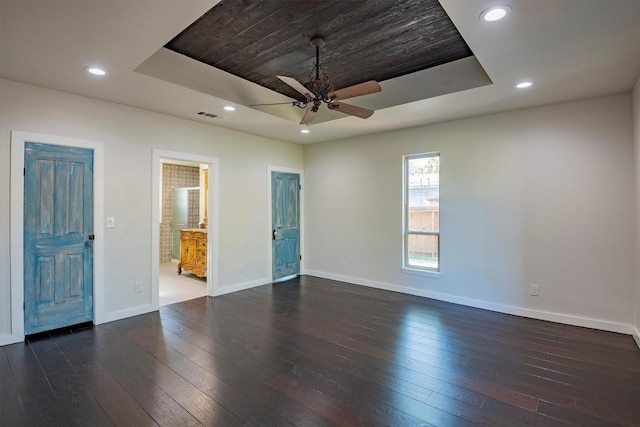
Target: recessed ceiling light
95 71
305 131
524 85
229 108
495 13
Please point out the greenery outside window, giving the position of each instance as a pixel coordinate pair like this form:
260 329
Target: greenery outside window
421 202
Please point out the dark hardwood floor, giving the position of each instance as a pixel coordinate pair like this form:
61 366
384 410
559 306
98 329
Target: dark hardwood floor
314 352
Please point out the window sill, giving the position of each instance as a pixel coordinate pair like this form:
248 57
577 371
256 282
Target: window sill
418 272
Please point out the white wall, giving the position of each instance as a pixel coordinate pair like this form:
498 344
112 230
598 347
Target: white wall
636 138
543 195
129 135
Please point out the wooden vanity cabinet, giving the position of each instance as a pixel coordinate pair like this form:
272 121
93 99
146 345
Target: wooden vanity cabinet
193 251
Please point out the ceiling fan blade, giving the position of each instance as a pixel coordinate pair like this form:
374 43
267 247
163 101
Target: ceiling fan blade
360 89
308 117
272 103
363 113
297 86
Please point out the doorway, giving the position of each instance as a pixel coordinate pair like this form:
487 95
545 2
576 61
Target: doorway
285 224
286 216
58 237
19 140
182 195
184 199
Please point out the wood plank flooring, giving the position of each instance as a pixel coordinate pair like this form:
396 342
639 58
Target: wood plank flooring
315 352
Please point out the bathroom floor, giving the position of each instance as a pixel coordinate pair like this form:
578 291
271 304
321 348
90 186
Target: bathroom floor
176 287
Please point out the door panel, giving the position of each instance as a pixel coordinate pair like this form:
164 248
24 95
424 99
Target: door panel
58 223
285 193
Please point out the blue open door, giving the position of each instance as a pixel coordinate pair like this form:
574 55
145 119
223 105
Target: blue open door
285 205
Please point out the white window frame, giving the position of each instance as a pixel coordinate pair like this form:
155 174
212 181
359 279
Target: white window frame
406 267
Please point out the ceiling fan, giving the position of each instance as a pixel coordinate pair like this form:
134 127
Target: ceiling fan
318 90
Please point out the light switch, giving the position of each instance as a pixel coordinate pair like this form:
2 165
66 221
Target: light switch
111 222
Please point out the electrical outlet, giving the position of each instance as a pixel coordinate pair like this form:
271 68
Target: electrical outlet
344 262
533 290
240 269
138 287
111 222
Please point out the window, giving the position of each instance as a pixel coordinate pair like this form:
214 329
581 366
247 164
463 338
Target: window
421 225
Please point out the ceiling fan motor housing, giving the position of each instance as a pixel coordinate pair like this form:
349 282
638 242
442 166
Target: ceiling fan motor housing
320 88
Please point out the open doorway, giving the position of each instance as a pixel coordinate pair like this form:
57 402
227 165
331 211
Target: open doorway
184 243
183 231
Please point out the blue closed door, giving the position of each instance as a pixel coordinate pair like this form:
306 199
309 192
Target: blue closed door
285 203
58 237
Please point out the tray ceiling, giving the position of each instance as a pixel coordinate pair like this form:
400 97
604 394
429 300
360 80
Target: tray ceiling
382 40
366 40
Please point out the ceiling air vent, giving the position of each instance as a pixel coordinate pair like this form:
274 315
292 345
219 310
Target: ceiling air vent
210 115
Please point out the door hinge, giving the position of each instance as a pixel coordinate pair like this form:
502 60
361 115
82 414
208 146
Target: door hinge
24 171
24 307
300 257
299 186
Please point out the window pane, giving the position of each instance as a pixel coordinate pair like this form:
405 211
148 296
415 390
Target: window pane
423 251
422 211
423 178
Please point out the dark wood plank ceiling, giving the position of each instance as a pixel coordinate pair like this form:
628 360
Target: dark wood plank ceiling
365 39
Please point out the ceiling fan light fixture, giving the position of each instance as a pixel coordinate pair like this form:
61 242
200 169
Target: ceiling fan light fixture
495 13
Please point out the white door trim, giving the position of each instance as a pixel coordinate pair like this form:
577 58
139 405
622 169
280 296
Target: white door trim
271 168
213 255
18 140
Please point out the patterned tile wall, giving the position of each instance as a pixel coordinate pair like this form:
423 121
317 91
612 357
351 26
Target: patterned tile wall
174 177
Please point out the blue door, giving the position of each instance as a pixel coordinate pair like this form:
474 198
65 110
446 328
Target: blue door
58 237
285 203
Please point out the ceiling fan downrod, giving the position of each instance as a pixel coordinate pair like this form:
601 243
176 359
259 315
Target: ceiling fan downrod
318 42
319 85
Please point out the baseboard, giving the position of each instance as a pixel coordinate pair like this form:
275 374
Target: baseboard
241 286
129 312
636 336
10 339
487 305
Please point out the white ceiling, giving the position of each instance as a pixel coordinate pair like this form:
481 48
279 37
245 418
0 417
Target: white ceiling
571 48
